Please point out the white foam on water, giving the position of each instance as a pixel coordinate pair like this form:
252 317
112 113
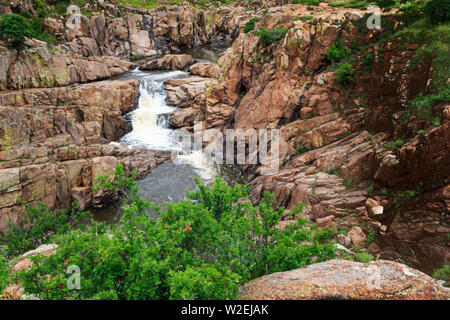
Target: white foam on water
152 133
202 163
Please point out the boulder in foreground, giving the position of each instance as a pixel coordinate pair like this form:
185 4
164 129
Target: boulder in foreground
342 279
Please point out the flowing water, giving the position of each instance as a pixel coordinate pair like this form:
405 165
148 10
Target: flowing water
150 121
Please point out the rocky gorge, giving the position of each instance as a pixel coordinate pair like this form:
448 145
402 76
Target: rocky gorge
345 149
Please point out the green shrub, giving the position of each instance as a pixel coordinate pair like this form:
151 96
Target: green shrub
358 4
422 106
364 257
270 36
332 171
307 2
250 25
203 282
204 247
338 51
384 3
411 11
345 73
4 273
40 7
443 274
39 224
367 59
395 145
15 28
306 18
438 11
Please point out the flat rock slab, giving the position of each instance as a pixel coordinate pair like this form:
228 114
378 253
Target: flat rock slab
169 62
342 279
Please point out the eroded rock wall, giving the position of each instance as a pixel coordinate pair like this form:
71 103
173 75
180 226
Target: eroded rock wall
336 144
54 142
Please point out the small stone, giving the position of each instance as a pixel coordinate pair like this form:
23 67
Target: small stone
383 229
373 248
374 209
344 240
326 222
310 170
357 236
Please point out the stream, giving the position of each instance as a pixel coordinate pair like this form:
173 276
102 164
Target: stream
150 122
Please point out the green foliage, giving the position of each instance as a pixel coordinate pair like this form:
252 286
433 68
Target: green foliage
443 274
148 4
306 18
395 145
367 60
421 132
38 225
358 4
345 73
250 25
332 171
15 28
4 272
438 11
204 282
270 36
300 147
434 47
40 7
364 257
422 106
203 247
307 2
401 197
338 51
411 11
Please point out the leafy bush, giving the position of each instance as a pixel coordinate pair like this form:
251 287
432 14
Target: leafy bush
15 28
358 4
422 106
204 247
4 273
411 11
438 11
364 257
395 145
250 25
306 18
345 73
338 51
39 224
384 3
367 59
443 274
307 2
270 36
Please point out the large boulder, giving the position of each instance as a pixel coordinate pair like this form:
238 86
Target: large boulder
169 62
341 279
206 69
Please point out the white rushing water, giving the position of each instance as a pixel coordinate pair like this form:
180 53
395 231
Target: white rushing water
150 122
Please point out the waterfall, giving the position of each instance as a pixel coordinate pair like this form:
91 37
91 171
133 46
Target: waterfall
151 126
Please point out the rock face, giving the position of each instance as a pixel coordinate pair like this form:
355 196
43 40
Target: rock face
54 142
190 95
336 147
341 279
43 67
357 236
129 32
169 62
206 69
